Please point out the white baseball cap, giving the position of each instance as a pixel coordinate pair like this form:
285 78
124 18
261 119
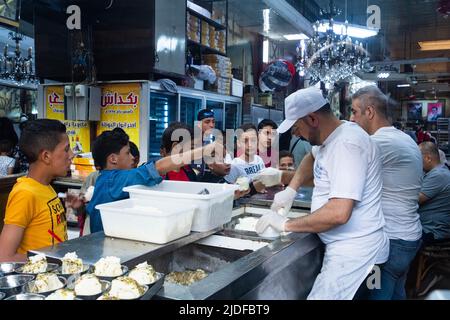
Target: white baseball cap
300 104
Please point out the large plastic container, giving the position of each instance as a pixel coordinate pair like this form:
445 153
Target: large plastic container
154 222
212 210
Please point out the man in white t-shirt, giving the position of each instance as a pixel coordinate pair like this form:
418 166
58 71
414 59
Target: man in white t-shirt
346 202
248 164
402 171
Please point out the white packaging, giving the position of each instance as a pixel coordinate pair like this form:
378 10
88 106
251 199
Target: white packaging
211 210
237 88
148 221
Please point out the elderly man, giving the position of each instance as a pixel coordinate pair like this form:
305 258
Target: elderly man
434 197
402 179
346 202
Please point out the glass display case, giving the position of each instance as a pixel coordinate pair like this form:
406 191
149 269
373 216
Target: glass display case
189 108
218 108
163 111
231 115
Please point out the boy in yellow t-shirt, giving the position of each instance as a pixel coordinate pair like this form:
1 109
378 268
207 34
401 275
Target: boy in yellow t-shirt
35 217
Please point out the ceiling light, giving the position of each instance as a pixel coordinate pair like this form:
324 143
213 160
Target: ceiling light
298 36
434 45
266 51
353 31
384 75
266 17
406 85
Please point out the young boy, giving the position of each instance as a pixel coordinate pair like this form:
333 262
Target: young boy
267 150
185 173
248 163
111 152
35 216
287 161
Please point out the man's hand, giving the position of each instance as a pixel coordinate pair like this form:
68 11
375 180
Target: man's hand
284 200
239 194
272 219
269 177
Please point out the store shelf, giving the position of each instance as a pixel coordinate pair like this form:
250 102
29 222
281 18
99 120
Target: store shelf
216 25
205 49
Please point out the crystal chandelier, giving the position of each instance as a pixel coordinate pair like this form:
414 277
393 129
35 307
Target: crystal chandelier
330 57
14 67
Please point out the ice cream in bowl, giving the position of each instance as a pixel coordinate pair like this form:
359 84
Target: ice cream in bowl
144 274
72 264
109 268
125 288
45 284
87 286
36 264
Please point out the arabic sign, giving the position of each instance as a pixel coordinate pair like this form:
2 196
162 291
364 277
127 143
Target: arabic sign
79 132
55 103
120 108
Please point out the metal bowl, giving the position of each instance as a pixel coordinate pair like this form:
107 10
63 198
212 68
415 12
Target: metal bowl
124 271
86 268
31 288
50 267
138 298
13 284
157 278
106 285
2 295
7 268
27 296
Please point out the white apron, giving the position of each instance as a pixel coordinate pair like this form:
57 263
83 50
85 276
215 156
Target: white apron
346 264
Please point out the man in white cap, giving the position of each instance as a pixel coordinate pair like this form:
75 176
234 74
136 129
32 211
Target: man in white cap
346 203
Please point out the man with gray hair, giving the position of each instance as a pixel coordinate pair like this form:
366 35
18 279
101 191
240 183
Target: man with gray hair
434 197
346 202
402 179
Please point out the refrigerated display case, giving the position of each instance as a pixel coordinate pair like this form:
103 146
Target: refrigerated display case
189 108
163 111
218 108
231 115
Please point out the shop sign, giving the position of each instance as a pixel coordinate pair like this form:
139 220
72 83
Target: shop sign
78 131
120 108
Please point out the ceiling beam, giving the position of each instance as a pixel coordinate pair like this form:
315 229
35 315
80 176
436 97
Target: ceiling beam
291 15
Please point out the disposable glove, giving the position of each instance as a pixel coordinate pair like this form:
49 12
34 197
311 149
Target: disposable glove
283 200
272 219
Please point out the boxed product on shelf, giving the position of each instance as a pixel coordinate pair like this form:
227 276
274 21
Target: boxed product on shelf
193 28
205 33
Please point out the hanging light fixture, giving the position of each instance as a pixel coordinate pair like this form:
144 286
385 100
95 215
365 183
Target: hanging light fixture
331 55
15 67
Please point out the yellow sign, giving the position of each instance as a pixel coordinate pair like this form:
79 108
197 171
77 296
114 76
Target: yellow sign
79 132
120 108
55 103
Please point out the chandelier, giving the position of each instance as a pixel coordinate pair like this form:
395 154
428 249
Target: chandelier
14 67
331 56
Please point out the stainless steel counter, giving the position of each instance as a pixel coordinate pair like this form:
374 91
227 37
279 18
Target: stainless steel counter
302 200
94 246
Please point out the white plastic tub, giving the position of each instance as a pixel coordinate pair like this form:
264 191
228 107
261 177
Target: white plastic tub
212 210
154 222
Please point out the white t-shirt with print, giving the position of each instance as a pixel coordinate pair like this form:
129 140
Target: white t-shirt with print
240 168
348 166
5 164
402 170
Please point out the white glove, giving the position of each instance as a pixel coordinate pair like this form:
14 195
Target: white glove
283 200
269 177
272 219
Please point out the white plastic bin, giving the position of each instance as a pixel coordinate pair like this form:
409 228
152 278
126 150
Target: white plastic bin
154 222
212 210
